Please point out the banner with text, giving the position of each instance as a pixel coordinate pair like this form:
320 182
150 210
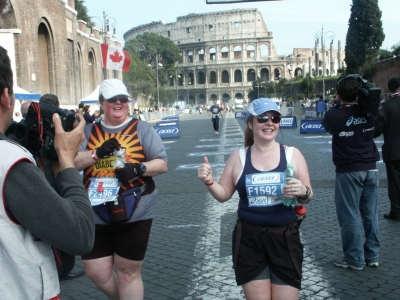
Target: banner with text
288 122
313 126
167 131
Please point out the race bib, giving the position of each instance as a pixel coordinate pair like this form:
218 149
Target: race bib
265 189
103 189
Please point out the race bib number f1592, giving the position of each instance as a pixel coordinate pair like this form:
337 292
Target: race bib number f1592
103 189
264 189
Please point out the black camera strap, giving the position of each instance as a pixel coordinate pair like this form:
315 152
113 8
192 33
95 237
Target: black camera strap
49 173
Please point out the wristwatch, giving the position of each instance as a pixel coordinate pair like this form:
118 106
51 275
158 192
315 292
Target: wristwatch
142 169
305 197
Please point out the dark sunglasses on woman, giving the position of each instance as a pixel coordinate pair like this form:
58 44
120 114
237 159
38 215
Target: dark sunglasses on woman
275 119
121 99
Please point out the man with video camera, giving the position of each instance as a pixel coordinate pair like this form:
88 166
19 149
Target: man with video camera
33 216
354 154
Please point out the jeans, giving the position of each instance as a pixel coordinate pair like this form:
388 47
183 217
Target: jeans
356 194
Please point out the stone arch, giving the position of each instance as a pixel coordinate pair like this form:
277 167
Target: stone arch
237 52
213 54
238 76
201 99
92 70
225 76
190 55
225 97
251 51
265 74
251 75
200 53
190 78
225 52
238 96
213 97
277 73
181 98
46 59
201 77
264 50
180 79
298 72
213 77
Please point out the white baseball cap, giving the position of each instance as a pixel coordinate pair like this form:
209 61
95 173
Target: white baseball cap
112 87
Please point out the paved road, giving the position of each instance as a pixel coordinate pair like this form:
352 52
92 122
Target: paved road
189 253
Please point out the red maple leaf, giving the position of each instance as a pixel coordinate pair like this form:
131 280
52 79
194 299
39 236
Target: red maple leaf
116 57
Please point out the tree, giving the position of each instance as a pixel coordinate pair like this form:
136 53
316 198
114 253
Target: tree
82 12
396 49
308 85
364 36
384 54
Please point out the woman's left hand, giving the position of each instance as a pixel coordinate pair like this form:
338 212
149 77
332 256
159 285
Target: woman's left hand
294 188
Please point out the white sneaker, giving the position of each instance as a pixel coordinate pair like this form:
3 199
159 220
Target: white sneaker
216 132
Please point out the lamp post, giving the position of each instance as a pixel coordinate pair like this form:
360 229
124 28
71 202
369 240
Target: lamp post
258 88
323 37
176 85
105 31
153 59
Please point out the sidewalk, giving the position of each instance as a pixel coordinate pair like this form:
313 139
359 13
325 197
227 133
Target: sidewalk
189 253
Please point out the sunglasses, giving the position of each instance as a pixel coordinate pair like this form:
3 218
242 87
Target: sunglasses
275 119
121 99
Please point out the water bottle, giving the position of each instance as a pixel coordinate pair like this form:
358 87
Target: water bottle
289 175
301 211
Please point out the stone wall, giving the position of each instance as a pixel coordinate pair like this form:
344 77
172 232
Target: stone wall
384 70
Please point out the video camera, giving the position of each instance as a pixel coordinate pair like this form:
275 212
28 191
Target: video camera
368 95
36 132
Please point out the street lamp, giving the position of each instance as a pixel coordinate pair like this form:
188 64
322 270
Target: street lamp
153 59
320 35
105 31
176 84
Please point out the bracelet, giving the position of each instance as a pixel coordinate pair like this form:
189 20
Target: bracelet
211 183
94 155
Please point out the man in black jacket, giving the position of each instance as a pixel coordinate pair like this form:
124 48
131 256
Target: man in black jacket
354 154
389 116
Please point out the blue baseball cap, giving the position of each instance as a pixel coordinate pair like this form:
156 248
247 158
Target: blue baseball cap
262 105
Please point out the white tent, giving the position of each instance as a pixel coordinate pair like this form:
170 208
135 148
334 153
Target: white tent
21 94
93 98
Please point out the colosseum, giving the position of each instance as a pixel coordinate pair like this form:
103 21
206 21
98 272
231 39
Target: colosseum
223 52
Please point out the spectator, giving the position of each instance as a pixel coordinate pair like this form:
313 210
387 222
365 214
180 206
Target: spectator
86 115
34 216
320 107
389 116
24 108
354 155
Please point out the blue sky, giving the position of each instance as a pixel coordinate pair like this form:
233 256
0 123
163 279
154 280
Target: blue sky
294 23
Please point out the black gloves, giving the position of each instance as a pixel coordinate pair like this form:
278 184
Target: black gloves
107 148
128 172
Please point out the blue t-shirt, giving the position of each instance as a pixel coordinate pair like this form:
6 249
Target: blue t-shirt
271 215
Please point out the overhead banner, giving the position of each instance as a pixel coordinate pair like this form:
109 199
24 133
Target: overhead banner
313 126
167 131
288 122
167 123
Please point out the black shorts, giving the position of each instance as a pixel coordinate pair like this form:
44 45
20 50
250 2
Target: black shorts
259 249
127 240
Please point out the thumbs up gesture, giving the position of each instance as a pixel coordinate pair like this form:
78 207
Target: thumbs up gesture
204 172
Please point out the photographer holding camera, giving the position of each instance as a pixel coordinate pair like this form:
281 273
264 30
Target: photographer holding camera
33 216
354 154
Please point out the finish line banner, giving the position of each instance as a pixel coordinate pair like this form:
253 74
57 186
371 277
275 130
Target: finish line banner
313 126
288 122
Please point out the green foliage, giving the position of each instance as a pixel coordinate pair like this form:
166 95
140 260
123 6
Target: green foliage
82 12
396 49
308 85
384 54
141 78
364 36
300 96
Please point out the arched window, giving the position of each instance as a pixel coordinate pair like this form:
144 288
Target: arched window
44 44
238 96
201 77
213 97
213 77
190 56
201 54
190 79
264 51
213 54
237 52
238 76
225 97
251 75
277 74
251 51
265 74
225 76
224 52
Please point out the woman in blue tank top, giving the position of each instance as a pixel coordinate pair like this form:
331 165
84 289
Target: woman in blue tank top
267 251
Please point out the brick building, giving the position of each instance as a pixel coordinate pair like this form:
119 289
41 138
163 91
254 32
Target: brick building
51 51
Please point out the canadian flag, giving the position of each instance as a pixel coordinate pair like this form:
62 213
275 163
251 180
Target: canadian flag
114 58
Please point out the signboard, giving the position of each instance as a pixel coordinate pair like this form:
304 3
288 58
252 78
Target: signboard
168 123
238 114
170 118
314 126
310 113
167 131
288 122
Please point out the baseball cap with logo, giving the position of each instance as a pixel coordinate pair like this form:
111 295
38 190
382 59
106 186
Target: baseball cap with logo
262 105
110 88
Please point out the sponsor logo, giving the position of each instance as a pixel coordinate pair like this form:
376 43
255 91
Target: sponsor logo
346 134
286 121
266 178
167 130
356 121
368 129
167 124
311 126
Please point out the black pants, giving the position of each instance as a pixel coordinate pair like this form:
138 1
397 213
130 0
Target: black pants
393 178
216 123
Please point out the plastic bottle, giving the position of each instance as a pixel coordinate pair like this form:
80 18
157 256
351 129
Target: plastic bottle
289 175
301 211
